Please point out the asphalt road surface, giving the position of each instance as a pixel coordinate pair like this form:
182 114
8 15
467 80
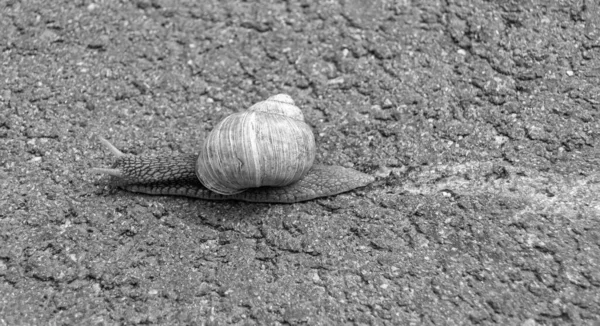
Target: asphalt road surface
480 120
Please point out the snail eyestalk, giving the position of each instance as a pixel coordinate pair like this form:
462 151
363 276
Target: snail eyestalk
116 152
111 148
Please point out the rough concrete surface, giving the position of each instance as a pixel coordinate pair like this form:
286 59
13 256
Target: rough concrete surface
481 120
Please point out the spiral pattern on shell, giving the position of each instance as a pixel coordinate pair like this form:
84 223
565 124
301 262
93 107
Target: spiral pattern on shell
267 145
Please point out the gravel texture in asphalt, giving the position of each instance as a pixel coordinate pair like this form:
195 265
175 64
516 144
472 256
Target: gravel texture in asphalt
480 119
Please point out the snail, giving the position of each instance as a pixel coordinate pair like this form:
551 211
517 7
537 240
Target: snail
264 154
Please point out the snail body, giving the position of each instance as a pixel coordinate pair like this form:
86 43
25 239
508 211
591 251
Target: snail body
264 154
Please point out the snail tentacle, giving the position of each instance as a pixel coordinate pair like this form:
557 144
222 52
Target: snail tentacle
112 172
115 151
175 175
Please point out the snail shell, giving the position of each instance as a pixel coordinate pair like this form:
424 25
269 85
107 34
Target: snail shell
267 145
